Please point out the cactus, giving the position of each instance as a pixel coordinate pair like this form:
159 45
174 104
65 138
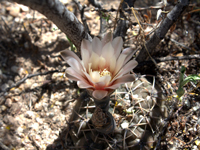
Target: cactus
136 108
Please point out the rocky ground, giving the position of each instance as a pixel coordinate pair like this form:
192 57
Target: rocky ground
37 100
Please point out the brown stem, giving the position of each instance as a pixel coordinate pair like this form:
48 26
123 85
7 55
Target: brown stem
103 121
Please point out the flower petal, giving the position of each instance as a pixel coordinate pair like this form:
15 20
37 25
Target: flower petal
94 60
66 54
77 66
102 63
119 63
107 38
88 78
105 80
117 45
82 84
129 54
108 52
112 63
85 57
99 94
85 44
70 71
97 46
129 66
119 81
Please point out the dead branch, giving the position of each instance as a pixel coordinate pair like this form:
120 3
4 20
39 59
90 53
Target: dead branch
69 24
122 25
170 58
65 20
83 19
28 77
160 33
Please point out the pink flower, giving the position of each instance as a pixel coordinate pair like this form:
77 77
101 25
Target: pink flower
103 66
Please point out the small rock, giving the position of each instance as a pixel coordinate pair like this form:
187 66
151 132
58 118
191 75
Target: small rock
29 114
17 91
8 102
64 1
18 20
58 75
22 72
2 108
11 83
125 124
34 126
88 15
51 114
26 45
39 120
4 87
110 21
17 70
2 100
17 78
195 108
19 132
15 108
23 8
38 106
14 10
58 103
16 98
9 120
34 85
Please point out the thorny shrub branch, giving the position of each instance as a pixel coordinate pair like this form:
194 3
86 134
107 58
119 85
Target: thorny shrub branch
28 77
160 33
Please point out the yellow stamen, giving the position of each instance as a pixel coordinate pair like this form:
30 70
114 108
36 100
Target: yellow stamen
105 72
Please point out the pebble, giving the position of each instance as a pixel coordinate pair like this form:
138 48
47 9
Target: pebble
58 75
51 114
64 1
38 106
11 83
125 124
19 132
195 108
33 126
2 108
30 114
58 103
8 102
4 87
26 45
18 20
39 120
15 108
9 120
88 15
15 69
34 85
14 10
17 78
23 8
16 98
17 91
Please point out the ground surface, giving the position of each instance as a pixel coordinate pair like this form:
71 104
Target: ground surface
35 113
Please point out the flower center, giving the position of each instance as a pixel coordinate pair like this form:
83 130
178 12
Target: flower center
105 72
